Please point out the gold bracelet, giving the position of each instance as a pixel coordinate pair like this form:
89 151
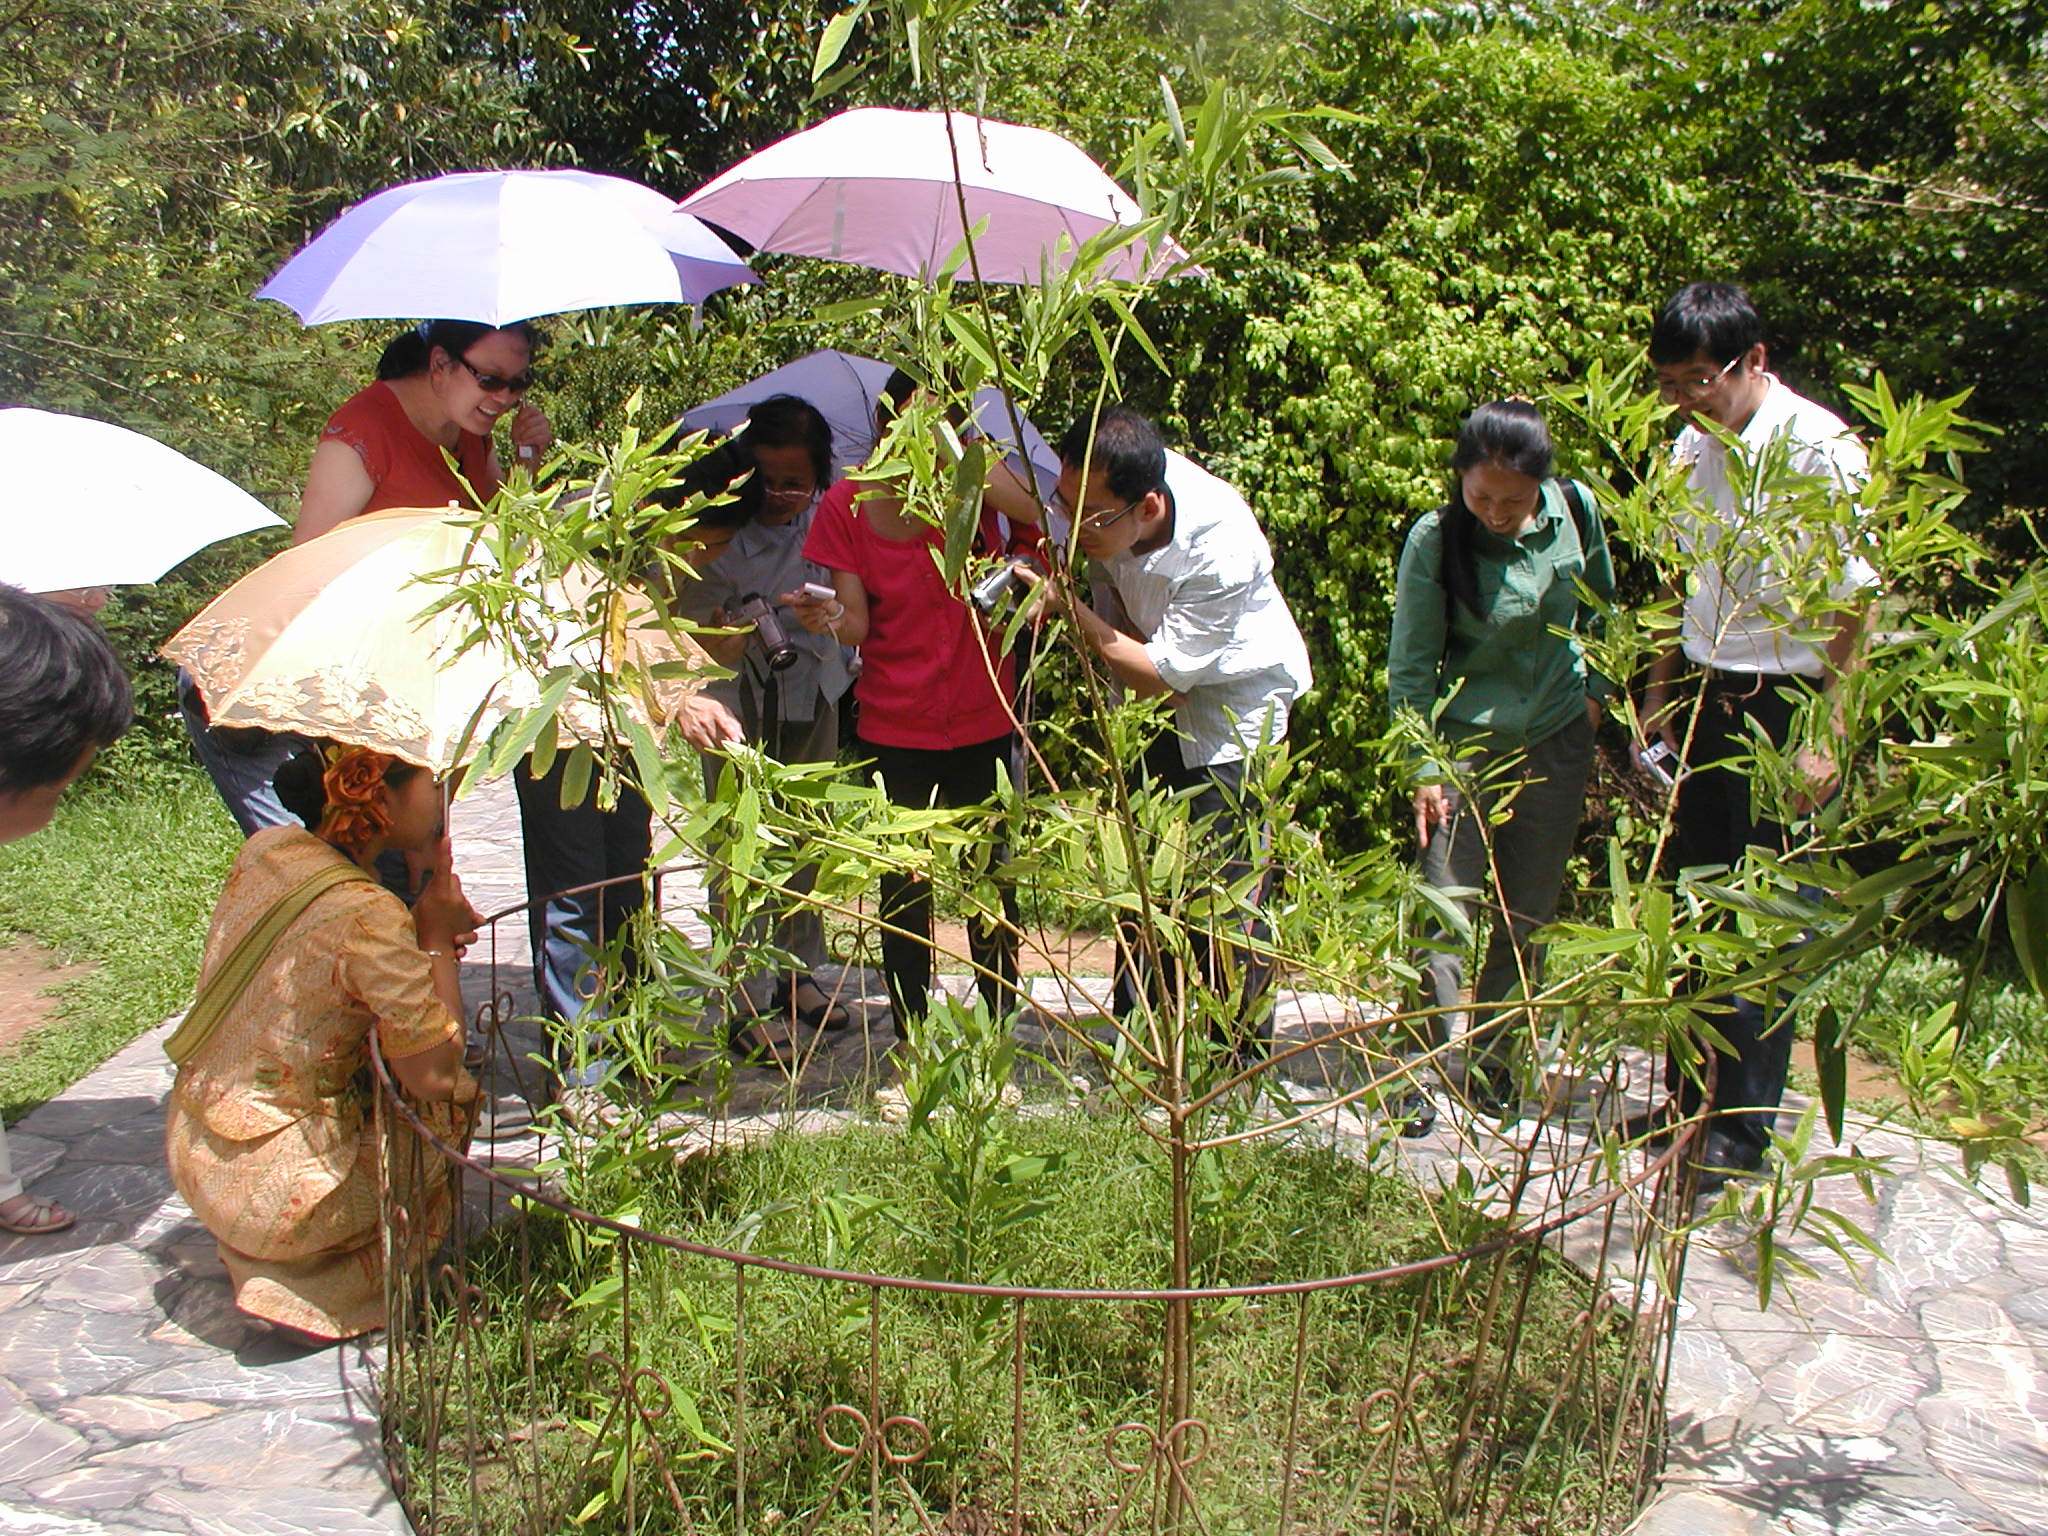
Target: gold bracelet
437 954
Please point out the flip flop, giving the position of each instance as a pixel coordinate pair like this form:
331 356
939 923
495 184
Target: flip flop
33 1217
828 1013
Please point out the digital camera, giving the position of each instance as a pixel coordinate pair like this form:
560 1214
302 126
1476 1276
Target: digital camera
769 634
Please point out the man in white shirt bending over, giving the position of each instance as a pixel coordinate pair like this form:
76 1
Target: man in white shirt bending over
1191 611
1773 614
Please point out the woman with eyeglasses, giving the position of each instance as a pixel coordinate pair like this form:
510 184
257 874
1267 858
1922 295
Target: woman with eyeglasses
445 384
778 464
442 384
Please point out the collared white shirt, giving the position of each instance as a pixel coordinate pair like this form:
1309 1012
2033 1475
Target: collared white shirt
1213 621
1736 614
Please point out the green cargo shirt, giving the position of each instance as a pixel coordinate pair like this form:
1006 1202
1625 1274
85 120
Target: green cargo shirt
1513 674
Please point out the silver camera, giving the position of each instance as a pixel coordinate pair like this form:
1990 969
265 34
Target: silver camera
769 634
998 588
1660 762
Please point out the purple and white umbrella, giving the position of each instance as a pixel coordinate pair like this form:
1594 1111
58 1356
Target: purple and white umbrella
874 186
499 246
844 386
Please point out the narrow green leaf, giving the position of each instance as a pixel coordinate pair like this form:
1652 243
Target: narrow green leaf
838 32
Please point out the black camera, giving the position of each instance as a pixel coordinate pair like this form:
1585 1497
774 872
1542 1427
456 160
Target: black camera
773 639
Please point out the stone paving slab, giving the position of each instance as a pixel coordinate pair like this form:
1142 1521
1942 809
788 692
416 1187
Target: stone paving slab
1899 1398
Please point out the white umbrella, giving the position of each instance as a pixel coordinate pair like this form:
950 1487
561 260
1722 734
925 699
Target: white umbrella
499 246
844 387
874 186
90 504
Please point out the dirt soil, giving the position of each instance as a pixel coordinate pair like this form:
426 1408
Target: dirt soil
1077 953
27 973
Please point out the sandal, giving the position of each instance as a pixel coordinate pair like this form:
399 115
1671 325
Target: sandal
30 1217
827 1013
752 1040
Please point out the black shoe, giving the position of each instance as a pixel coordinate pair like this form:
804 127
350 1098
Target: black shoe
1416 1115
1490 1089
1722 1157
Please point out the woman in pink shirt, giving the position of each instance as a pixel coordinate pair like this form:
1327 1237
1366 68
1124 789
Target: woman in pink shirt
935 693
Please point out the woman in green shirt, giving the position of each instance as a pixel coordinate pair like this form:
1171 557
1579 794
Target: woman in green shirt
1490 602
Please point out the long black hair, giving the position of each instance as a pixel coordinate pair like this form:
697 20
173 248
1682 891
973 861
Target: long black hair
790 421
1509 433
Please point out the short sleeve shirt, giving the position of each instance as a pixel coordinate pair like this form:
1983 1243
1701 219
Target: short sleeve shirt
926 664
1736 613
405 468
1213 620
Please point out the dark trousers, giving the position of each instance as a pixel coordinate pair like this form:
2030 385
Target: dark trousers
951 777
1231 835
1528 852
567 847
1713 825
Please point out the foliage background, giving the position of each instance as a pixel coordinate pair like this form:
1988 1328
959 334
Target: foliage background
1526 182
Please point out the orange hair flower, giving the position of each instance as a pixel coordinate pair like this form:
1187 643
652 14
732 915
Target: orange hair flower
350 784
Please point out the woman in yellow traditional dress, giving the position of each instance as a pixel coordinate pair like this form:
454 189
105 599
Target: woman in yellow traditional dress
271 1124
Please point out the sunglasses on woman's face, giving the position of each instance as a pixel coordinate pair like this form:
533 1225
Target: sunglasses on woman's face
497 383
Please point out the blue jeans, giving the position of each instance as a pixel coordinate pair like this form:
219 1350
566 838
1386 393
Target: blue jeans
242 762
569 847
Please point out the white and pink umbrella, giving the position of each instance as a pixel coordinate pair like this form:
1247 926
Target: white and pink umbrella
499 246
875 187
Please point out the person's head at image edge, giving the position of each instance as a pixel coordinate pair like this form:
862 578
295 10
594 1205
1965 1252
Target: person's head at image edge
1707 353
363 801
475 373
63 696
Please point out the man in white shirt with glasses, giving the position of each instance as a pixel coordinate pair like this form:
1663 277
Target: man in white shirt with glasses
1186 607
1773 615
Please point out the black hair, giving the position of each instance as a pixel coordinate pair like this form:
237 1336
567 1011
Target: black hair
790 421
1509 433
409 352
1715 318
713 475
62 690
1128 449
896 390
301 781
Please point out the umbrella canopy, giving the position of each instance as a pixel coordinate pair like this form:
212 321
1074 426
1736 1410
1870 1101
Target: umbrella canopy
327 640
94 505
499 246
844 388
874 186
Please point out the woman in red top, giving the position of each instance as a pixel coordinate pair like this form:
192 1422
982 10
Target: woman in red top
442 385
935 693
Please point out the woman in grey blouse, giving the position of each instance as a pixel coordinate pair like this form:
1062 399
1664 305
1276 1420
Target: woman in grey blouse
790 711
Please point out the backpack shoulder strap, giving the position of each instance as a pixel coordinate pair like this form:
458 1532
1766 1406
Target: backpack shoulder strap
1575 498
231 977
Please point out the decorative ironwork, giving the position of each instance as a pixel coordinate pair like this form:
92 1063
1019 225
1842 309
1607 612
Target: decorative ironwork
462 1463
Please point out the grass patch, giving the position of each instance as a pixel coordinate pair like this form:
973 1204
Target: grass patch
2004 1041
550 1445
124 878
